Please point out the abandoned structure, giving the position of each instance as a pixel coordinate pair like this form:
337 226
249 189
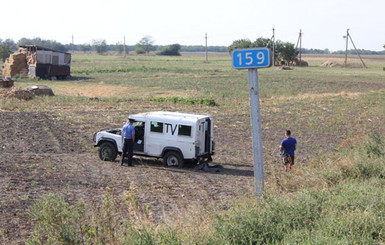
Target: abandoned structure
37 61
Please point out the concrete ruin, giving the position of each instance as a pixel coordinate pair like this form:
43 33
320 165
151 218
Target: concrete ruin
37 61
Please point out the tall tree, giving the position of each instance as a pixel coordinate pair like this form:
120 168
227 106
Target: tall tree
145 44
287 52
85 47
100 46
119 48
263 42
5 51
238 44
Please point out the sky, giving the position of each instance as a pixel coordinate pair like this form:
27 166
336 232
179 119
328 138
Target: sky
186 22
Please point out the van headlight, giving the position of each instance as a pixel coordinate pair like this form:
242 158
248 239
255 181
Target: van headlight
94 137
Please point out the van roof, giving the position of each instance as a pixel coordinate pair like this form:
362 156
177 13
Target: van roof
175 116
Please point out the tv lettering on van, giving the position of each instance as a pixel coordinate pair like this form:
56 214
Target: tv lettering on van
183 130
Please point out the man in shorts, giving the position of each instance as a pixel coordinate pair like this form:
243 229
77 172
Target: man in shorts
288 146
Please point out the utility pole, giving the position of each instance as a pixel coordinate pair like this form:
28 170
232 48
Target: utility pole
273 38
72 48
346 49
207 58
124 45
300 46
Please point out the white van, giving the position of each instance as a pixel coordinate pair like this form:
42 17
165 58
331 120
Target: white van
173 136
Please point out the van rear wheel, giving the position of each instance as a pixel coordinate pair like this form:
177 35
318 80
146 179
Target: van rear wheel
172 159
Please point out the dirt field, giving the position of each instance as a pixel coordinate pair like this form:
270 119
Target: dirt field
42 154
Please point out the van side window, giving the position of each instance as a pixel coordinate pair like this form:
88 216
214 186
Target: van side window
156 127
184 130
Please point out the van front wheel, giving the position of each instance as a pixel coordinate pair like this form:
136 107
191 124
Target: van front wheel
107 152
172 159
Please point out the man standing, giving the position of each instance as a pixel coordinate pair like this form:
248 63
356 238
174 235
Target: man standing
288 146
128 138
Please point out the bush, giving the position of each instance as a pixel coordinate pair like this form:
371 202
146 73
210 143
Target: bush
57 222
172 50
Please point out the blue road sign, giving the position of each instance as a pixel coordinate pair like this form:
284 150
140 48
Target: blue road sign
251 58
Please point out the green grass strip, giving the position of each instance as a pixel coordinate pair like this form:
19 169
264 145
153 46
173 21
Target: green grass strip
112 70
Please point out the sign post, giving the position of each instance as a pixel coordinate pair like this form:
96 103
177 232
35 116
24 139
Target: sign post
253 59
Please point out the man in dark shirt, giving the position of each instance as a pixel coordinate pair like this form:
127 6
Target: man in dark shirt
128 138
288 146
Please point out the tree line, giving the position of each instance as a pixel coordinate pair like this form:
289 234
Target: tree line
146 45
143 46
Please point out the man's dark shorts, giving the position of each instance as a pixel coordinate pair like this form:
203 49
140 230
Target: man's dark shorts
287 159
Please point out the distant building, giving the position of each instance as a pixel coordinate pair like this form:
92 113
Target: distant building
37 61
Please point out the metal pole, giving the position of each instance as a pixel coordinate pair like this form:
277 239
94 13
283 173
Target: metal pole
255 114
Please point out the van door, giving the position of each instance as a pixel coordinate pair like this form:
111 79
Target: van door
139 137
207 147
204 136
155 137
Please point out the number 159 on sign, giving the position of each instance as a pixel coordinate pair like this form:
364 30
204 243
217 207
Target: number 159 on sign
251 58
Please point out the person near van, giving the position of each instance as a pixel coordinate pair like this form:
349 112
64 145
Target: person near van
288 146
128 135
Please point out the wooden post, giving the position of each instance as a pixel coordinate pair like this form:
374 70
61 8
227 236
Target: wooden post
346 50
357 52
300 47
207 57
124 45
273 46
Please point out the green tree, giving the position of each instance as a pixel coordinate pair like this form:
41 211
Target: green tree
44 43
241 43
85 47
5 50
286 52
10 43
100 46
172 50
146 45
119 48
263 42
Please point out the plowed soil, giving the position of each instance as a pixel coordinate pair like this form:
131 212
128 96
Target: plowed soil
41 154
